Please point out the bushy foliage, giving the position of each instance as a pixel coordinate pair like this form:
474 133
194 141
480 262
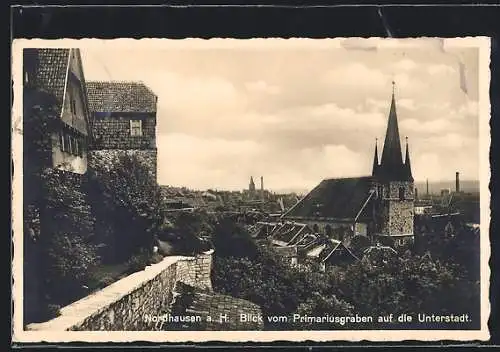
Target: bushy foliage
188 233
126 203
66 238
396 284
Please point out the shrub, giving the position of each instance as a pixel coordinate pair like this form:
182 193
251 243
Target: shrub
126 203
66 237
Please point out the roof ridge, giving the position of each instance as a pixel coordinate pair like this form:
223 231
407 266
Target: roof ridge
348 178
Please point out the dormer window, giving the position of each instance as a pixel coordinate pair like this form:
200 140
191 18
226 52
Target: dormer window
136 127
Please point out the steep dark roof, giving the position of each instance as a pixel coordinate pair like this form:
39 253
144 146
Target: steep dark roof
340 198
408 173
391 164
120 97
375 161
51 66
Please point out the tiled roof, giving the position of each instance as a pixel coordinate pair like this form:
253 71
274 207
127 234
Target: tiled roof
340 198
288 232
120 97
51 67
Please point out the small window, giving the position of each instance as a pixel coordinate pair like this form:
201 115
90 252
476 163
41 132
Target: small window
80 147
26 77
67 142
73 106
401 193
62 142
76 145
135 127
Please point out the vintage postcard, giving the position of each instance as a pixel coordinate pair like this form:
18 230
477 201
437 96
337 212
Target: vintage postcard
251 190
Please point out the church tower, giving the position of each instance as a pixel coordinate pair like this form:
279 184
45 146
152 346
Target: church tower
395 185
251 186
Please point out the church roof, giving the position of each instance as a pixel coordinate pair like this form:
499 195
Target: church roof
120 97
337 198
391 164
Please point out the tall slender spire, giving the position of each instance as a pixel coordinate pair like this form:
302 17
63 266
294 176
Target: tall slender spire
391 162
407 162
375 159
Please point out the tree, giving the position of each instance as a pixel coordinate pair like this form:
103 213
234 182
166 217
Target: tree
126 202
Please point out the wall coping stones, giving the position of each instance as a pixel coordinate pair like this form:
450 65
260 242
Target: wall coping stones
76 312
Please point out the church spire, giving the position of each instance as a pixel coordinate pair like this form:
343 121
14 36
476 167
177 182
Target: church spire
392 162
407 162
375 159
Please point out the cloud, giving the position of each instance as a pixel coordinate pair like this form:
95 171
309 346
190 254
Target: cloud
204 162
440 69
405 65
262 87
407 104
357 74
433 126
297 116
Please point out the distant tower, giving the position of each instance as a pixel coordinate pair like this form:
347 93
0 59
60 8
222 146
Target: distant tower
416 193
251 186
457 182
262 187
427 186
395 182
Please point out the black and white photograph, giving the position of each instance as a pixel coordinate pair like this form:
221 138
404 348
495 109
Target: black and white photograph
251 190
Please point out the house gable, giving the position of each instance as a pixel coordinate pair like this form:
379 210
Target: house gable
75 112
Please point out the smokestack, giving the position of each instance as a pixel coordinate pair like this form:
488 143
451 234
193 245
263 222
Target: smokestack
427 186
416 193
262 187
457 182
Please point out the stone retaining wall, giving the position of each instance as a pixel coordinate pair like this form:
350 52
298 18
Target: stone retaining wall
123 304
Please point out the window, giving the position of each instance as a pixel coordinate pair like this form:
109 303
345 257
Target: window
401 193
26 77
72 105
135 127
69 147
76 146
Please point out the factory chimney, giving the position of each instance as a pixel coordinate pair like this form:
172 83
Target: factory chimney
457 182
427 186
262 187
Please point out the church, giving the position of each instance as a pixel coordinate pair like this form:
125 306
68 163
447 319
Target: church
376 205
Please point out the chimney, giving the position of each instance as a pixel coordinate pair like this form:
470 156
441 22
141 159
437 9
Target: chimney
427 186
457 182
416 193
262 187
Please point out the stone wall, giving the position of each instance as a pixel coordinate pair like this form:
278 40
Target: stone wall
98 158
124 304
398 214
113 132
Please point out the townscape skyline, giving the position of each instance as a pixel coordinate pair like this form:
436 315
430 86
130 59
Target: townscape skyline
298 115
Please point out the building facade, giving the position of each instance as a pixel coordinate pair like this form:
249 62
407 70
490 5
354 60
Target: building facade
381 204
55 90
395 185
124 121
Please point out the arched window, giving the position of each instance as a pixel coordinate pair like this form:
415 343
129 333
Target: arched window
401 193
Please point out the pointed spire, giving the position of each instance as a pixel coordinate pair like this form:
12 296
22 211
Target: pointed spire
375 159
407 162
392 161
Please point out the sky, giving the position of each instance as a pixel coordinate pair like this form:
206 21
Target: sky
297 114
